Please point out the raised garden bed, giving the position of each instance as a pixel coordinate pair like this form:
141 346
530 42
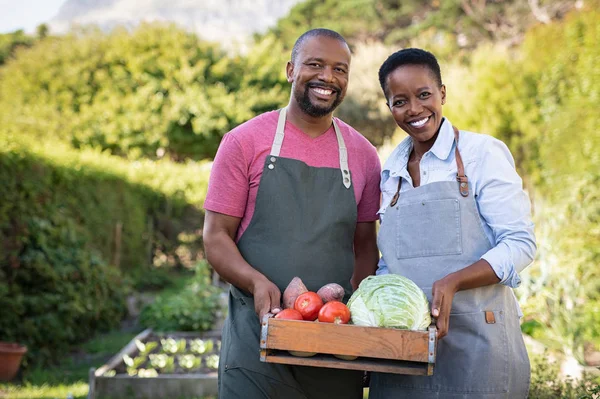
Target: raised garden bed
160 365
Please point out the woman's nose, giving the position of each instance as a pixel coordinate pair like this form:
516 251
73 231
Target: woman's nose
415 108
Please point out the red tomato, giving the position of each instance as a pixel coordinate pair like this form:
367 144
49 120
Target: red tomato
289 314
334 312
308 304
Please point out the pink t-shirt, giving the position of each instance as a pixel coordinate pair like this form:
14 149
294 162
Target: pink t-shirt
239 163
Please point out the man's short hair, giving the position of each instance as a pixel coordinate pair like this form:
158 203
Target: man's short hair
314 33
409 56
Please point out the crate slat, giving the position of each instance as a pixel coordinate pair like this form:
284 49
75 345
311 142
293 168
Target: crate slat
362 364
373 342
385 350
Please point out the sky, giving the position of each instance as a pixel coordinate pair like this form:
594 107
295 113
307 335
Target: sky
26 14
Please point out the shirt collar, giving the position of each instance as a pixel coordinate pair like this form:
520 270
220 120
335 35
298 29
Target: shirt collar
444 142
397 161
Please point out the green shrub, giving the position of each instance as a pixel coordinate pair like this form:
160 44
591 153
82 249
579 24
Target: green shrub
192 308
157 91
59 249
547 384
57 292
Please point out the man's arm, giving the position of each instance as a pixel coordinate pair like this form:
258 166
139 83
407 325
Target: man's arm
366 254
224 256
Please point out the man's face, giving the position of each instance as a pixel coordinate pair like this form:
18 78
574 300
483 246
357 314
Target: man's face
319 75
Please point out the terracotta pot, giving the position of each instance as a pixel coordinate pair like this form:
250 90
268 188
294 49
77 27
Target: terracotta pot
10 359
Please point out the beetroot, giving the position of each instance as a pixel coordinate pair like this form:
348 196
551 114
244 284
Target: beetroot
331 292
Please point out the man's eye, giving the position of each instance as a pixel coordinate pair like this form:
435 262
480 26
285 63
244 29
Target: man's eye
425 94
399 103
342 70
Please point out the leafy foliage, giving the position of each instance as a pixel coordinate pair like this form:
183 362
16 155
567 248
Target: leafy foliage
547 384
192 308
460 24
10 42
57 234
156 92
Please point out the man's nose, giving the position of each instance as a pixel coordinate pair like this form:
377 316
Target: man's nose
326 74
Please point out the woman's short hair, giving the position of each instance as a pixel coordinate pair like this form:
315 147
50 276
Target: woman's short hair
409 56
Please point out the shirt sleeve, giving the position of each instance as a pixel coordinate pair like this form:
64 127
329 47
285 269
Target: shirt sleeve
381 267
228 185
369 203
505 208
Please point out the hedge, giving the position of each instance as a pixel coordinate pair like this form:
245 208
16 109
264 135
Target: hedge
62 263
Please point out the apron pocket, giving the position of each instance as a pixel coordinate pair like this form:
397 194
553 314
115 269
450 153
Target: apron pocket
428 228
473 357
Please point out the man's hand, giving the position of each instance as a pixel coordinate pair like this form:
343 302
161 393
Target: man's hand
267 297
443 293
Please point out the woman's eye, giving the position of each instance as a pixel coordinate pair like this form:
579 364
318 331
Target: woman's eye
399 103
425 94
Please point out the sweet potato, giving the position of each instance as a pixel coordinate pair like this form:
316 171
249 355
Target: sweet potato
293 290
331 292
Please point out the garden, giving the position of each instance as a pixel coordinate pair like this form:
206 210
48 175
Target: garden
106 144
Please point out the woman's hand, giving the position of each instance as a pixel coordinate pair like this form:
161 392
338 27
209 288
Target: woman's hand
479 274
443 293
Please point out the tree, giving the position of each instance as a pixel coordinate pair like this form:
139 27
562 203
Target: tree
157 91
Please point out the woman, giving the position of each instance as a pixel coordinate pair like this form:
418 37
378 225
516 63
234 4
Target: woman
455 220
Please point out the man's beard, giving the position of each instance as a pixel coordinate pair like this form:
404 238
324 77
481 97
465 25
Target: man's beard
313 110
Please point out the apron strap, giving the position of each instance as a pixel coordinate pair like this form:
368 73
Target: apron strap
278 142
343 156
463 186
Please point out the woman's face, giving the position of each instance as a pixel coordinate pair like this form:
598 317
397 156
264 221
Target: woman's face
415 100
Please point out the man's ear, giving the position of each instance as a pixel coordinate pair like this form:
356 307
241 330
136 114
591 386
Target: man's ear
289 70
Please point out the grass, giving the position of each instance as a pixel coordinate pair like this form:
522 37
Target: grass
70 375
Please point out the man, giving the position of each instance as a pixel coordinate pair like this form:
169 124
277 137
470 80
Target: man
291 193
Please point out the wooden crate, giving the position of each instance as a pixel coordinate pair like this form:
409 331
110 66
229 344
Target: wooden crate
385 350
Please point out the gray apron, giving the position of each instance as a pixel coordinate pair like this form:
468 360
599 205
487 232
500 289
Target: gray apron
427 233
303 225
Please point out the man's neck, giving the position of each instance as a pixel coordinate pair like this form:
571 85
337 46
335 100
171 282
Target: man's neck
310 125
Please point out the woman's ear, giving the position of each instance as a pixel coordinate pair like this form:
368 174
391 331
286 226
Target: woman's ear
443 90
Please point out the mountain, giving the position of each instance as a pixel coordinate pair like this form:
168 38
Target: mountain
224 21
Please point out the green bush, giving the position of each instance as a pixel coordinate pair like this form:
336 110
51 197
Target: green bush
547 384
192 308
155 92
59 281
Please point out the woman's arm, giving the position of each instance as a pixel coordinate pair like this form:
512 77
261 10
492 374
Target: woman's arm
506 210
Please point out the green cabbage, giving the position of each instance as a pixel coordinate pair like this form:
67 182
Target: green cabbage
391 301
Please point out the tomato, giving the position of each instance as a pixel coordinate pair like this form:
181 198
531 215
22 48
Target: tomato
308 304
334 312
289 314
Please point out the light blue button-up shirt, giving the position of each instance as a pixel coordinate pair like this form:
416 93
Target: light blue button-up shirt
504 207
